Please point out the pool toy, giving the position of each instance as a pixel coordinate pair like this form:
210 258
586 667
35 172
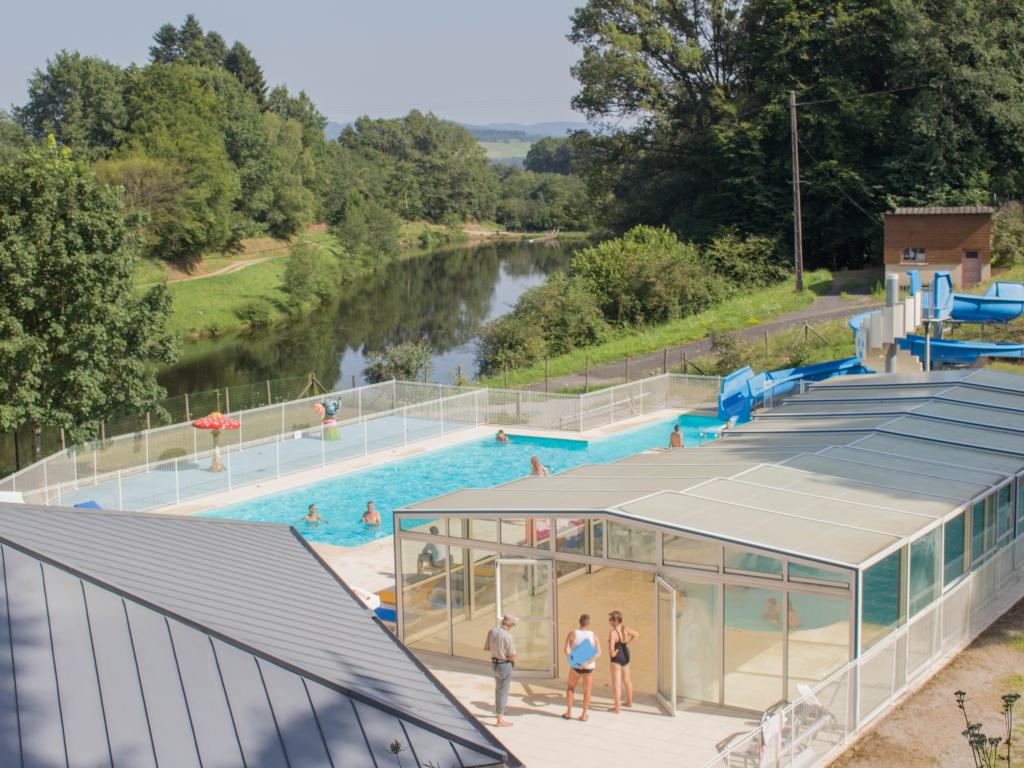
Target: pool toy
581 654
326 411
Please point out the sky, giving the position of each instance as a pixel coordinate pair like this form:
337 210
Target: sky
475 61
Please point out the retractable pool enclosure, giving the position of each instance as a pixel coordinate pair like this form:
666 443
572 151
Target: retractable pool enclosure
755 566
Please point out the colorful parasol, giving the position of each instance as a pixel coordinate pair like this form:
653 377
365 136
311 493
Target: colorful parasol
215 422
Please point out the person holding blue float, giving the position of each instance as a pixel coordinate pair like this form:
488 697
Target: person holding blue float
581 649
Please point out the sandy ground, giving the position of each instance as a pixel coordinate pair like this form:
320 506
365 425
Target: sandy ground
925 729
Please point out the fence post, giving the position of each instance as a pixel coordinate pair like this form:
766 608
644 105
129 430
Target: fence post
103 430
686 368
277 455
270 399
63 447
95 469
405 425
188 415
627 369
506 374
641 397
545 373
147 442
120 492
227 400
177 489
586 374
581 413
353 381
664 361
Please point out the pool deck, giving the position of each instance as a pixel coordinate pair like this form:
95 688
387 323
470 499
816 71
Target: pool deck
643 735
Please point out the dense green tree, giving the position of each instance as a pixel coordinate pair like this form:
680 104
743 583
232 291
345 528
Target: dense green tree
175 116
302 109
79 341
310 275
549 155
12 137
80 100
368 230
189 44
292 203
541 201
240 62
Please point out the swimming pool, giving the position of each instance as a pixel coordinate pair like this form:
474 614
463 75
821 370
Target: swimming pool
475 464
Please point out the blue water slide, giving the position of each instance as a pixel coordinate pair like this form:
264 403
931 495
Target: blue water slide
959 352
743 390
938 303
1006 290
986 309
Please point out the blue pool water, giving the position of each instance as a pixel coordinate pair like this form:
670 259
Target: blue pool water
474 464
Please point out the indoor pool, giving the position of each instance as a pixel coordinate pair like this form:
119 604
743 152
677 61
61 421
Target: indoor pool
475 464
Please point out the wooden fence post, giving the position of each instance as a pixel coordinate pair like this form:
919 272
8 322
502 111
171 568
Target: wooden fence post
269 398
353 381
63 445
686 368
664 361
506 374
627 369
188 415
227 400
586 374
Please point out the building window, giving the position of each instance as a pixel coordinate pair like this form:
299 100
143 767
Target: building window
914 256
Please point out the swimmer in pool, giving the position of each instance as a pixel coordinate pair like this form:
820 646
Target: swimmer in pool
501 437
536 468
371 516
675 440
312 516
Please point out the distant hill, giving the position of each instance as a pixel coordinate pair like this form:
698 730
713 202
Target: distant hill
496 131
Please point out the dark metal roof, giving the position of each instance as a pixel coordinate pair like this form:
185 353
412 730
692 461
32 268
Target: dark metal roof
957 210
138 640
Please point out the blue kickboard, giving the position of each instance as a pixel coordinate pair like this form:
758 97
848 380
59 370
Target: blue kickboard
582 653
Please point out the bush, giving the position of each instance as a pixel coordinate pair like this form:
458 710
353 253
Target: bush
1008 235
509 340
310 273
367 229
407 362
750 262
255 314
730 352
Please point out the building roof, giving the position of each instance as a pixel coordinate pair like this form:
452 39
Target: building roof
840 474
141 639
963 210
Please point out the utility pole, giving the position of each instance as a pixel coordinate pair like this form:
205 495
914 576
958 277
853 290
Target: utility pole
798 227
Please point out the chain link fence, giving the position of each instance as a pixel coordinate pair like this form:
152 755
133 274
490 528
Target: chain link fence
166 465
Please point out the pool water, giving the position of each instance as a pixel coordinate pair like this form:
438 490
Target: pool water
480 463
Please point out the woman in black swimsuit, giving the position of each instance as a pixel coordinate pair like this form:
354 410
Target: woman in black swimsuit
619 639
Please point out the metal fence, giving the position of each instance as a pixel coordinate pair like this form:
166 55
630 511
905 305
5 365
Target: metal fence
815 728
168 465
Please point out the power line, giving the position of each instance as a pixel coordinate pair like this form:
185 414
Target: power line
837 185
865 95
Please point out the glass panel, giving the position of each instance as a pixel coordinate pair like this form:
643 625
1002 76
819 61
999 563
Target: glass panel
924 571
882 600
753 647
697 642
471 619
953 549
626 542
571 536
990 522
541 532
456 527
597 538
513 531
666 646
1020 508
799 571
683 550
526 593
481 529
819 639
752 562
423 525
424 598
1004 515
977 531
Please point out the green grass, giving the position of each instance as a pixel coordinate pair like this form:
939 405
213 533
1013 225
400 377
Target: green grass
733 314
506 150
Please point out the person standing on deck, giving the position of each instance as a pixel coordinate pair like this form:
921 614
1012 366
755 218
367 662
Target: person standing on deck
502 647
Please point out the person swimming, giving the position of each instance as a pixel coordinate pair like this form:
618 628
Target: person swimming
501 437
675 440
312 516
536 468
371 516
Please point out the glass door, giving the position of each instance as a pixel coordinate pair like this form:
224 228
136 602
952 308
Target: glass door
524 590
666 645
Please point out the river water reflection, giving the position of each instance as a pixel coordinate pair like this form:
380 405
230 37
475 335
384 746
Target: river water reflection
446 296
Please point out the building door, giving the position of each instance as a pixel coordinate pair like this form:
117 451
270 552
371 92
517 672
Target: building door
667 655
524 590
970 268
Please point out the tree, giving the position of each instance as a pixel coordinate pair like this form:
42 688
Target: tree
12 138
240 62
368 229
176 117
79 341
302 109
409 361
309 274
292 204
80 100
188 43
549 155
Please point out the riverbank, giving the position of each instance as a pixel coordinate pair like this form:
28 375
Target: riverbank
737 313
214 298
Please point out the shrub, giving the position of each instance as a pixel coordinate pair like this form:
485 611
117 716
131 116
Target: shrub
1008 235
509 340
409 361
750 262
255 314
310 273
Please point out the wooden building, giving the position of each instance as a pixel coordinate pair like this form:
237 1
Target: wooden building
957 240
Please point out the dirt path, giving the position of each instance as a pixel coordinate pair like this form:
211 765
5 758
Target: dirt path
234 266
924 731
828 307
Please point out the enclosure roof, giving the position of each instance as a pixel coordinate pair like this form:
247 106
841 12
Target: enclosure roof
144 639
960 210
899 455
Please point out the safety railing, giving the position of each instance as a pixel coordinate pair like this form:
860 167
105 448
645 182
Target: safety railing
816 727
168 465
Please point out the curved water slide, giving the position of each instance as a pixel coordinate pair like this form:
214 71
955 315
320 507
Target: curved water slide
959 352
1001 303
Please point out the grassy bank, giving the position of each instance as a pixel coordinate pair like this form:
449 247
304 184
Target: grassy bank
733 314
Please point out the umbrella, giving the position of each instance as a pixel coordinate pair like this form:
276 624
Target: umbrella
216 422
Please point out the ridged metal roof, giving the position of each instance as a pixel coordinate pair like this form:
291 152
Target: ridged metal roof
134 639
937 211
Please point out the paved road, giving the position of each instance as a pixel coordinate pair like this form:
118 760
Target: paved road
828 307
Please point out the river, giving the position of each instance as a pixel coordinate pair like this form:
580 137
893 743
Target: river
446 296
